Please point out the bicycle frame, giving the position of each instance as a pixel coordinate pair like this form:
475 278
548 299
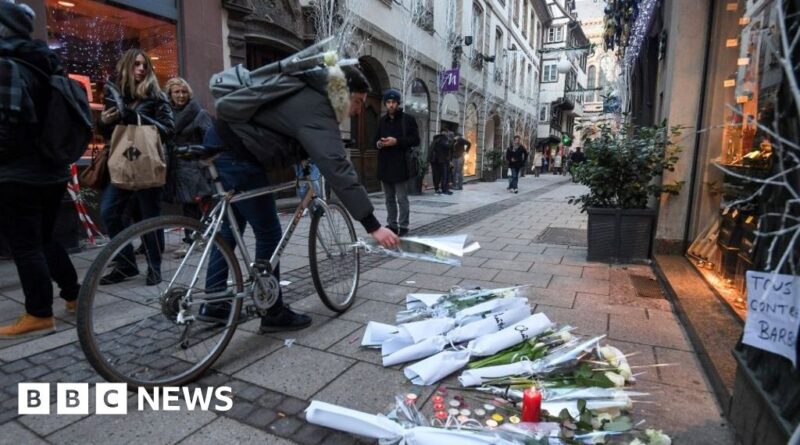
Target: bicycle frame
217 217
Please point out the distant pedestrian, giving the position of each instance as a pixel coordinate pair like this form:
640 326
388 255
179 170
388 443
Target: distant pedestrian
537 163
461 147
516 155
397 134
187 183
441 150
135 97
557 164
31 188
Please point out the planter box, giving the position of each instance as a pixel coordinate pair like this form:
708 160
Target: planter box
616 235
489 176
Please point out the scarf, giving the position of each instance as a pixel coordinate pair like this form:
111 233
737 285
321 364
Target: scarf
16 105
186 115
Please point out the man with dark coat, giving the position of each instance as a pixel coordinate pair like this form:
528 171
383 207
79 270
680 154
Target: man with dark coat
441 152
516 156
397 134
30 188
461 147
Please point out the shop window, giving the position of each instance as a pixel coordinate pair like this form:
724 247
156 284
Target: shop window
90 37
544 110
555 34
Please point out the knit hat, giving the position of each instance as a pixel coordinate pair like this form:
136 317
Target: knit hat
17 18
392 94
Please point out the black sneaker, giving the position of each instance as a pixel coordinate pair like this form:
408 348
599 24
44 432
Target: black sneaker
448 193
153 277
215 312
286 320
402 232
117 276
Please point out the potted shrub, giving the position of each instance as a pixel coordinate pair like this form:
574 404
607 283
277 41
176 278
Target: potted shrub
494 160
415 184
620 168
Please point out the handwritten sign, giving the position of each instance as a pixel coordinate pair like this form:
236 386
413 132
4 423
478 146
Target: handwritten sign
773 313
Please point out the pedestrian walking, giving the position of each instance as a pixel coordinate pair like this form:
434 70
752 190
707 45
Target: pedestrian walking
136 97
397 134
187 183
557 164
439 157
537 163
30 187
461 147
516 155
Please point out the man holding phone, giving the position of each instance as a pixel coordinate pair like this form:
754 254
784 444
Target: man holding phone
397 133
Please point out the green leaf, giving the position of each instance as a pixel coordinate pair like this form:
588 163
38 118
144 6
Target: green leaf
581 405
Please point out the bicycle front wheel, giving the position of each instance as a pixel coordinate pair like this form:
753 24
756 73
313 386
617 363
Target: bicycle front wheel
333 258
141 328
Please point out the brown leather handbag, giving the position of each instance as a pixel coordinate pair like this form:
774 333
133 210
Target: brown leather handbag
96 174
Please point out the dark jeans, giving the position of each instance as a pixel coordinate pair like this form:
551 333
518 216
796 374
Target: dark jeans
112 207
514 179
260 212
441 176
27 216
397 206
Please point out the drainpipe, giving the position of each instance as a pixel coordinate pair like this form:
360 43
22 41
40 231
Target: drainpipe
698 126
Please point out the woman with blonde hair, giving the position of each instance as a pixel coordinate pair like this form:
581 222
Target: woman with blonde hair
187 183
136 97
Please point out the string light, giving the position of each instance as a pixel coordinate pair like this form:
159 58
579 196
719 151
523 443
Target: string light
640 29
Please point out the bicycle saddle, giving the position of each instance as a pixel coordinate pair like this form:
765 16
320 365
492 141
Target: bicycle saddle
198 151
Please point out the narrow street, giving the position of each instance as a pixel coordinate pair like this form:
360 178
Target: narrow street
533 238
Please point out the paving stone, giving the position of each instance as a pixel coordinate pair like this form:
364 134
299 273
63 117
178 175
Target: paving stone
395 294
586 322
310 434
261 417
601 303
516 265
473 261
648 332
34 372
292 406
286 426
338 438
297 371
271 399
600 287
40 344
390 276
494 254
10 310
523 278
323 333
556 269
16 366
551 297
351 347
685 371
596 273
479 273
373 311
225 430
428 267
433 282
511 241
241 410
314 305
12 433
369 388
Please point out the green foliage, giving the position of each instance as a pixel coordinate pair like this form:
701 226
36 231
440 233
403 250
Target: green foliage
494 159
621 165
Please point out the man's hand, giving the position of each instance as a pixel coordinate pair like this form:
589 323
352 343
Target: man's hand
388 142
386 238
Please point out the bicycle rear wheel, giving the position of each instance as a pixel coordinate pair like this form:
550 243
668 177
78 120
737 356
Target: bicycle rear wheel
335 263
131 330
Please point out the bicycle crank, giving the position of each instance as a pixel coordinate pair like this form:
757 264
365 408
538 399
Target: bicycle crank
265 292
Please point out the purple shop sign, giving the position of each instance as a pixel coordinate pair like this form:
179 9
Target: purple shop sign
449 80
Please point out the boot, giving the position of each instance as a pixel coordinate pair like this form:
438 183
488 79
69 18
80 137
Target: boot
28 326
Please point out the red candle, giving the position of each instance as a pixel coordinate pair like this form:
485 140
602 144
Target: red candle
531 405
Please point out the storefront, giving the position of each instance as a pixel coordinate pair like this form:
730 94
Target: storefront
471 134
418 105
90 36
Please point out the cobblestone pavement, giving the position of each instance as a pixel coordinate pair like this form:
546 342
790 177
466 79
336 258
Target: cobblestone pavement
273 383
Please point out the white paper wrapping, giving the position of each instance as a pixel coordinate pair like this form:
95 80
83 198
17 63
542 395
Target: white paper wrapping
497 305
377 333
379 427
420 330
492 323
423 349
510 336
436 367
476 377
416 301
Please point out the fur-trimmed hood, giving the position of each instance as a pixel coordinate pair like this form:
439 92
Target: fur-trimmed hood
338 93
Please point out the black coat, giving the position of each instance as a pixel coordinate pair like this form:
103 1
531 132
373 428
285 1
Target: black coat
461 146
187 179
19 160
441 149
516 157
154 110
392 160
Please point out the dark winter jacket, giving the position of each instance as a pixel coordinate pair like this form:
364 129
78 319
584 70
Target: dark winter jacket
154 110
392 160
577 157
441 149
187 179
516 157
461 146
19 160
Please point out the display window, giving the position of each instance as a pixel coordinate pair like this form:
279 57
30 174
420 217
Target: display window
90 36
471 134
734 149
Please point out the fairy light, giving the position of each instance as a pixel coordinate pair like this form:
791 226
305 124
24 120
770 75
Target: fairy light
640 29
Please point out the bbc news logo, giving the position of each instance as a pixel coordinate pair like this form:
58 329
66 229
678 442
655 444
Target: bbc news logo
112 398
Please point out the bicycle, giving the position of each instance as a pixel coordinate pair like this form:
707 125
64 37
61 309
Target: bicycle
149 335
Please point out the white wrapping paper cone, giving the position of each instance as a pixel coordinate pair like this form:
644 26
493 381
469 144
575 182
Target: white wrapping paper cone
416 301
476 377
436 367
395 344
377 333
467 315
453 244
352 421
420 330
440 436
423 349
490 324
510 336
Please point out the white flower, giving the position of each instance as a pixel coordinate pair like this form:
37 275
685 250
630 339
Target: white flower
656 437
625 371
608 354
616 379
636 442
566 336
